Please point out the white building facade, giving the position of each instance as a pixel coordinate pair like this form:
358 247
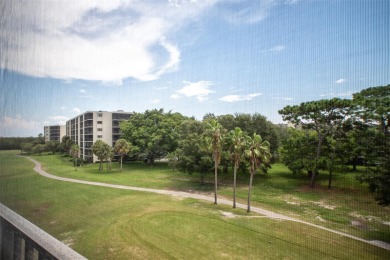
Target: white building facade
54 132
87 128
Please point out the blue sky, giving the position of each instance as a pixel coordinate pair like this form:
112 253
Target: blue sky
61 58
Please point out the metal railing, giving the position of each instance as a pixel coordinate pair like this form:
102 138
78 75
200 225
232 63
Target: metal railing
20 239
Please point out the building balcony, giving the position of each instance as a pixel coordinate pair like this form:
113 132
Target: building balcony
20 239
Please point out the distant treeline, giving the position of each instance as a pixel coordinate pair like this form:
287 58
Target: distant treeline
14 143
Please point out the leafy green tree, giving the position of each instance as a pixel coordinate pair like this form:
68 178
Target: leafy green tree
214 138
298 151
322 116
236 141
192 151
374 114
75 153
258 154
66 144
52 146
101 150
38 148
153 133
39 140
122 147
109 156
14 143
173 159
250 124
26 147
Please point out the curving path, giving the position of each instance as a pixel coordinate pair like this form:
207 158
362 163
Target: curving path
261 211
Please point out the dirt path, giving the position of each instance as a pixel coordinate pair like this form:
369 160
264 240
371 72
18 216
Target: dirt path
261 211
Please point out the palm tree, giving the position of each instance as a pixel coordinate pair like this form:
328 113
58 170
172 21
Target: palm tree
258 155
122 147
236 141
214 140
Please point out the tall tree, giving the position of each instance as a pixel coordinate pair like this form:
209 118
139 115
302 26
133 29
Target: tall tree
100 149
38 148
250 124
322 116
192 151
236 142
52 146
298 151
75 153
122 147
214 137
153 133
374 113
258 154
66 143
26 147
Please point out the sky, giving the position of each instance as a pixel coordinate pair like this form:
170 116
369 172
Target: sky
61 58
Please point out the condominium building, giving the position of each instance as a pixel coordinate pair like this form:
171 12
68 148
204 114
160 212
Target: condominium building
87 128
54 132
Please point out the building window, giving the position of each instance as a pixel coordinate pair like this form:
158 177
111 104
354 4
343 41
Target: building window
99 115
100 129
100 122
99 136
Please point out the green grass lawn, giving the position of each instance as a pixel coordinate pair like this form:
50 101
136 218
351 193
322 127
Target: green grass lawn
105 223
347 207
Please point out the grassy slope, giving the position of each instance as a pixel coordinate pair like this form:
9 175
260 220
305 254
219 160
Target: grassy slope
348 201
104 223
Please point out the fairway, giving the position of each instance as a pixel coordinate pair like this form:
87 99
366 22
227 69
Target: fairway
105 223
348 207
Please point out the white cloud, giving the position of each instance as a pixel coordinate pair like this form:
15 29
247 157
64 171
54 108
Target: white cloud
237 98
76 110
245 11
200 90
277 48
291 2
161 88
340 81
58 118
62 108
20 123
175 96
285 98
340 94
156 101
83 91
107 41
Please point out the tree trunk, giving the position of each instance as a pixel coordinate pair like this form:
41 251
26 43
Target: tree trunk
249 191
215 182
234 186
76 165
318 154
101 165
354 163
121 161
331 171
202 178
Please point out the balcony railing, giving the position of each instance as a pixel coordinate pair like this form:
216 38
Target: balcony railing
20 239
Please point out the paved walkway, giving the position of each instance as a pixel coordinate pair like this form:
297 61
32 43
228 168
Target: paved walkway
261 211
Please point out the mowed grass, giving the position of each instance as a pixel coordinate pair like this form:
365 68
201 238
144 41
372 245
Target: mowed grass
347 207
106 223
